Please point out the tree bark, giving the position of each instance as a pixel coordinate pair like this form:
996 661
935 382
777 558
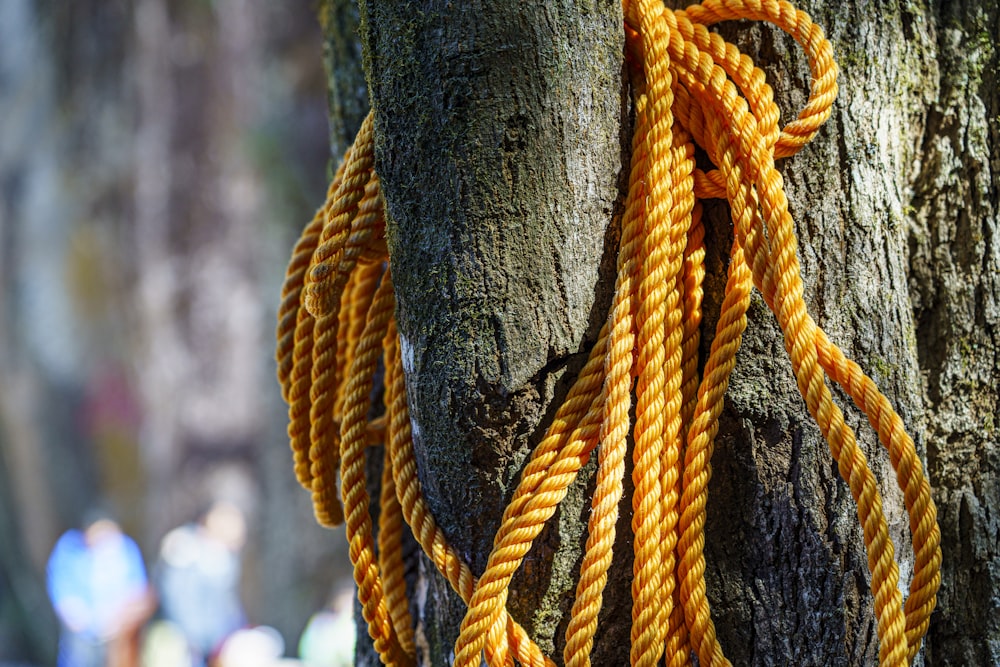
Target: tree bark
497 248
954 252
500 135
501 131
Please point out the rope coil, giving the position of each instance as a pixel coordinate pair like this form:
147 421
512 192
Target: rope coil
336 320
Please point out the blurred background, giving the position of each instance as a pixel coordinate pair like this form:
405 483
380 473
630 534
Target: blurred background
157 160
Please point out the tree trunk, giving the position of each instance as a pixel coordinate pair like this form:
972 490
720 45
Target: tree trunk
347 99
27 625
954 278
500 150
501 140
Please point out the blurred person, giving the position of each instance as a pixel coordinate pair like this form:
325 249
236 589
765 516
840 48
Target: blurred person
98 587
330 634
198 579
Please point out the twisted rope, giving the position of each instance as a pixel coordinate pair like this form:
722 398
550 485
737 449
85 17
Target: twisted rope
689 88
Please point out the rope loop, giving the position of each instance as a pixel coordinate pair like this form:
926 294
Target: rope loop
336 323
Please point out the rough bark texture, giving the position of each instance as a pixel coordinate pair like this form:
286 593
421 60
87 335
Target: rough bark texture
792 587
498 131
954 244
499 146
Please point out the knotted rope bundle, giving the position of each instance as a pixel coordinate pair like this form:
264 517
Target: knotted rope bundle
689 87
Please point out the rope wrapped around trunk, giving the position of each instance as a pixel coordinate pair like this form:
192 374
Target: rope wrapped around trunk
336 321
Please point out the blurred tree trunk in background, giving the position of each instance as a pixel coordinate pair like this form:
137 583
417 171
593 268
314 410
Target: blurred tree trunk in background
491 118
156 159
347 92
218 157
27 623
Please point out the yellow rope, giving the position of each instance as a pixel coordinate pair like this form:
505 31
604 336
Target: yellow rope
689 87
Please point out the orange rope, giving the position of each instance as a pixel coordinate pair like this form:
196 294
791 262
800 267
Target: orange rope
690 88
390 528
615 398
